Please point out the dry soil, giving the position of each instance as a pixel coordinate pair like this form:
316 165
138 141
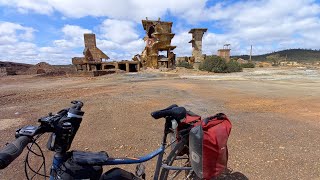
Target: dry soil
274 112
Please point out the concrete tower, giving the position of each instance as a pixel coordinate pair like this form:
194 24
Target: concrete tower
90 40
197 34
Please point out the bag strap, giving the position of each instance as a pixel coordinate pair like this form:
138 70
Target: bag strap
219 116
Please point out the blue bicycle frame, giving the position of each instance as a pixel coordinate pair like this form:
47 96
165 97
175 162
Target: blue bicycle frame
59 159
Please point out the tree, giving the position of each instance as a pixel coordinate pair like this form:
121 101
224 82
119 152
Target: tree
274 59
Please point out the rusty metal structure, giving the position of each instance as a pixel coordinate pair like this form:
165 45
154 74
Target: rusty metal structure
158 38
196 41
225 52
95 60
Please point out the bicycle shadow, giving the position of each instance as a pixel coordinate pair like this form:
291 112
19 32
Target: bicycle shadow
233 176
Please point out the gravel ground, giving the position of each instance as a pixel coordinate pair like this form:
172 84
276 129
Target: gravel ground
275 120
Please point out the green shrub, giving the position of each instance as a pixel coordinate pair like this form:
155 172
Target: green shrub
207 64
219 65
248 65
233 66
185 65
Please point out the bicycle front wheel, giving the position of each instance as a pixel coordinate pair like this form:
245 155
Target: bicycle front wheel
179 159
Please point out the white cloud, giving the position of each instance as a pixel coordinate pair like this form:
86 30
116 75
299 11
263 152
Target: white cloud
119 31
268 25
73 37
24 6
181 41
74 31
124 51
120 9
15 45
119 39
12 32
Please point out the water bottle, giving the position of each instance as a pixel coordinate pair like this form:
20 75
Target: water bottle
173 135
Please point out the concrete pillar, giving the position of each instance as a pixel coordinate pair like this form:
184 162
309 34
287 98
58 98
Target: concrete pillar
196 41
127 67
116 65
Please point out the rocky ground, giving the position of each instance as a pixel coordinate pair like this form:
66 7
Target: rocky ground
275 114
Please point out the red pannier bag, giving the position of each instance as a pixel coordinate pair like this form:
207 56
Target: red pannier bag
190 120
208 146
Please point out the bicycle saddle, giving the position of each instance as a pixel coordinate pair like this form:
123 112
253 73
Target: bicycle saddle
173 111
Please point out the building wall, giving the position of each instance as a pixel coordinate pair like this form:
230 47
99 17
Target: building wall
224 53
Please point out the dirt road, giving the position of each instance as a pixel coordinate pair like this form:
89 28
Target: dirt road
275 120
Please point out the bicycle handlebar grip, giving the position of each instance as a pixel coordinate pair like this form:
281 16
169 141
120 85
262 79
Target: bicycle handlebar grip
13 150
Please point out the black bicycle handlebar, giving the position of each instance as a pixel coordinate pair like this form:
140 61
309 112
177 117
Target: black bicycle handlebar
13 150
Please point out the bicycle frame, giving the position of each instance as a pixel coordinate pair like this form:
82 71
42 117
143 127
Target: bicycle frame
60 158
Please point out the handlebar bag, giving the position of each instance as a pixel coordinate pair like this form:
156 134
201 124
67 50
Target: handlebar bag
89 158
79 165
208 146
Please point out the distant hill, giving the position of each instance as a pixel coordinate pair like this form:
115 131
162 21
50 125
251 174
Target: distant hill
299 55
17 67
42 67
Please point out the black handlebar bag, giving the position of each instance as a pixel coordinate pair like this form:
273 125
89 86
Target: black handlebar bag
82 165
208 146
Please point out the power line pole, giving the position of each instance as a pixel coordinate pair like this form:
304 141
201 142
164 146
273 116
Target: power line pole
250 54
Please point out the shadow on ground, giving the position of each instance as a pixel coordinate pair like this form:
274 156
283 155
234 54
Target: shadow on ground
234 176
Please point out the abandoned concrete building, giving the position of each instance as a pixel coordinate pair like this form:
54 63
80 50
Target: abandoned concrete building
158 39
225 52
7 71
93 56
95 60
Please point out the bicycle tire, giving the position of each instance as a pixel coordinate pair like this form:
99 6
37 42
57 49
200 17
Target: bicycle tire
180 146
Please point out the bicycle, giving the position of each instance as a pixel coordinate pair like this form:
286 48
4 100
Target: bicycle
63 127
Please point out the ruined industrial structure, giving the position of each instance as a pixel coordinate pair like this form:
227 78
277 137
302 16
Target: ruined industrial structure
196 42
225 52
158 39
93 56
197 56
95 60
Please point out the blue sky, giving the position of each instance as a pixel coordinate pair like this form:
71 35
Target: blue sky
32 31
